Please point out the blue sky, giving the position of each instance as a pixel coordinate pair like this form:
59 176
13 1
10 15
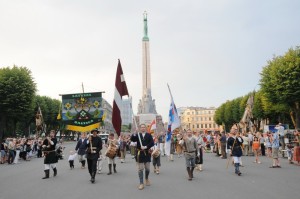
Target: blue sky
208 51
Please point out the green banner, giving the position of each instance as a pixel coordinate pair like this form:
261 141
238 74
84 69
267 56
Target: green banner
82 110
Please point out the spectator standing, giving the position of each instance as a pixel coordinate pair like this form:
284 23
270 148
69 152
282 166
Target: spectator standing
275 150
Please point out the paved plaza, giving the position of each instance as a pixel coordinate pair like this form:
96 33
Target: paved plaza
215 181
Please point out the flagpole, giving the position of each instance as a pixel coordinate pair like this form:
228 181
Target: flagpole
136 127
170 91
82 87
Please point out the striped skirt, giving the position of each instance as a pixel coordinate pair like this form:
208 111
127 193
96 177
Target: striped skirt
296 154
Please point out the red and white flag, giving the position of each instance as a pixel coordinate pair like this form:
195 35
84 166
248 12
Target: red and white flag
153 125
120 91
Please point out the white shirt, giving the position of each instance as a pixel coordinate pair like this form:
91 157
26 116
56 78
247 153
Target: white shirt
280 130
72 157
250 137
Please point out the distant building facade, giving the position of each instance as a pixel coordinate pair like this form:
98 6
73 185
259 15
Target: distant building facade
198 118
107 123
126 111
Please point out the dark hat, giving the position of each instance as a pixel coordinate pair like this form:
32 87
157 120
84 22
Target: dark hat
95 130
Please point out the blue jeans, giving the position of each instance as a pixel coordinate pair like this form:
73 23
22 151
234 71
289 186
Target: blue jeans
11 156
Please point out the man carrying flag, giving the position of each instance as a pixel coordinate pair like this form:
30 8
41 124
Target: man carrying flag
144 140
143 157
173 123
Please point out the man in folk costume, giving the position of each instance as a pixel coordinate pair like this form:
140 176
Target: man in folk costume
112 143
178 146
50 159
190 146
94 146
81 149
199 153
235 146
156 156
143 157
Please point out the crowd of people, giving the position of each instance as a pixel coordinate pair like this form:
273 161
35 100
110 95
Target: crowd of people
14 150
148 148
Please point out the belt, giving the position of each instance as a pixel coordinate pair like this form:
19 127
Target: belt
142 149
190 151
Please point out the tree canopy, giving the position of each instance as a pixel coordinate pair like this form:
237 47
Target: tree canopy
19 103
280 81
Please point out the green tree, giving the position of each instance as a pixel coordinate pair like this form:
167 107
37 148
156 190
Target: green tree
17 91
219 115
236 110
280 81
228 119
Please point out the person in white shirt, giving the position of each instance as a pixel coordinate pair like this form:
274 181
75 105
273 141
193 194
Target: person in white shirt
245 144
250 141
71 159
280 130
199 154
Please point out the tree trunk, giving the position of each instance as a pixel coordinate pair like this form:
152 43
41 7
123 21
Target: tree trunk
297 115
2 126
297 120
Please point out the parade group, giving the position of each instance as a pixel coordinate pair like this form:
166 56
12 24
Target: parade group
147 148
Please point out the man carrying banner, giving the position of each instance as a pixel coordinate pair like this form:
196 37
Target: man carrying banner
94 146
143 157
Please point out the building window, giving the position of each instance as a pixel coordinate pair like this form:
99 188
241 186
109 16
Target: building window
193 126
205 125
197 126
209 125
202 126
209 118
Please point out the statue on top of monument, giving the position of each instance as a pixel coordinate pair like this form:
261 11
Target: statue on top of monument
145 38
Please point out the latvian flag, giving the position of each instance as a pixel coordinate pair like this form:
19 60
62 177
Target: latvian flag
120 91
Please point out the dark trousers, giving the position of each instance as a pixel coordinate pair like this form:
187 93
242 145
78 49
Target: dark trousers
200 156
11 156
223 149
92 165
23 155
263 149
39 153
71 162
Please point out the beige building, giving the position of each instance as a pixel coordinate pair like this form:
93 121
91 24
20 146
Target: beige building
198 118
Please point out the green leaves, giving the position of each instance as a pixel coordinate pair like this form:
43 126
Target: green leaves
19 103
279 94
281 78
17 90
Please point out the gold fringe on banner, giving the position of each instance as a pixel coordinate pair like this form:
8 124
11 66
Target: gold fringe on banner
82 128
